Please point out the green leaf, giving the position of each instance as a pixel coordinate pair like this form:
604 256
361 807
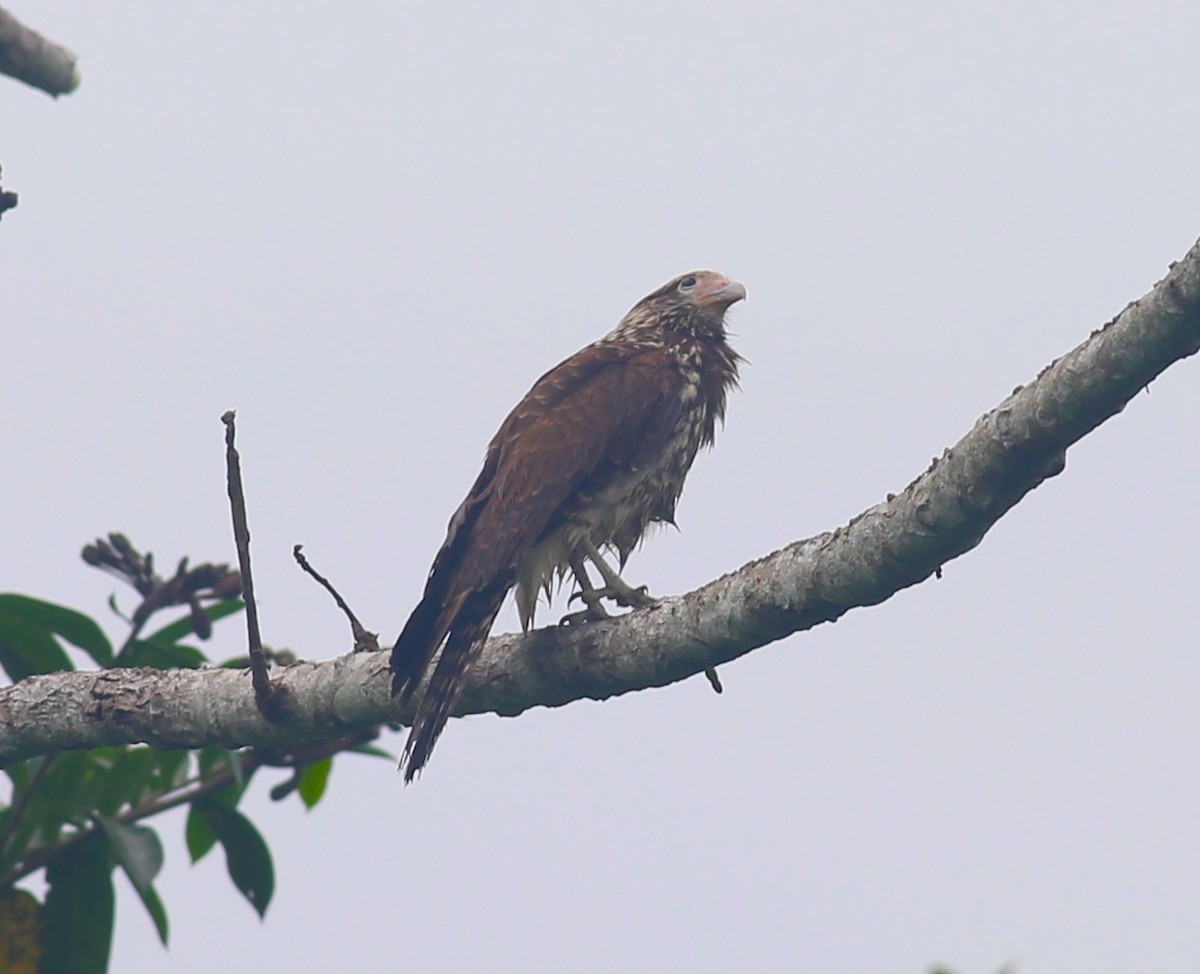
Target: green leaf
246 855
372 751
139 852
213 761
66 793
79 910
20 773
313 781
75 785
221 760
199 835
28 647
137 848
172 768
158 912
132 776
181 628
17 832
76 628
161 655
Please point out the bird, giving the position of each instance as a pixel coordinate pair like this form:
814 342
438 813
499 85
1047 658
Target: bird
593 456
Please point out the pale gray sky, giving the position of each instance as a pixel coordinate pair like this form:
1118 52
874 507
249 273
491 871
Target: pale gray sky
370 231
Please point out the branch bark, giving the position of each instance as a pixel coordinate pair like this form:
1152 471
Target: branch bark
943 513
27 56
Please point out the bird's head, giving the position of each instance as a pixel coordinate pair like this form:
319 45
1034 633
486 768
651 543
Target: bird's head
695 302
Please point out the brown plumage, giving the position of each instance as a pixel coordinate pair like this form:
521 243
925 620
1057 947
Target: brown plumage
595 453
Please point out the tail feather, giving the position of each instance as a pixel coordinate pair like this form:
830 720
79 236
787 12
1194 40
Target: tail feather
419 641
467 635
435 613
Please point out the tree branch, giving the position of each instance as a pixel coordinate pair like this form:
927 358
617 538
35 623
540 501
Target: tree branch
27 56
945 512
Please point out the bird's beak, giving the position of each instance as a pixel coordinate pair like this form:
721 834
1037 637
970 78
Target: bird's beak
721 294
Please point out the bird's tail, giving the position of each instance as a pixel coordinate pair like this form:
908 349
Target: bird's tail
418 642
467 635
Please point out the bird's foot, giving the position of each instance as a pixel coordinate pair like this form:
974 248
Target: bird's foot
593 612
622 594
626 595
590 614
615 587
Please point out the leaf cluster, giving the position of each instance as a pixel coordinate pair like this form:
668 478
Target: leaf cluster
79 817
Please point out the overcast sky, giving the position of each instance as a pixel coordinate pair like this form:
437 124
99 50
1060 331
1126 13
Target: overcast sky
370 230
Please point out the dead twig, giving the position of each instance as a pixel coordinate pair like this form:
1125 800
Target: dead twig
364 641
265 696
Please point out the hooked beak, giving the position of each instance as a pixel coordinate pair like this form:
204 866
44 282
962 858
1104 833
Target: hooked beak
721 294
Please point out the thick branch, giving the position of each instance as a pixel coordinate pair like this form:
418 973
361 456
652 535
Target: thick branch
942 514
29 57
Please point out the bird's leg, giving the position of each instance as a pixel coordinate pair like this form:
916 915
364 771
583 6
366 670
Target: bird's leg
615 587
588 594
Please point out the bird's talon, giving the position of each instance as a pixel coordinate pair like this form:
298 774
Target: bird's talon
580 617
593 613
635 598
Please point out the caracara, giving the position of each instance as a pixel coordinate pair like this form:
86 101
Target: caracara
594 454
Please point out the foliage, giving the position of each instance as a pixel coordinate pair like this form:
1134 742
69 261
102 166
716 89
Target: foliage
77 817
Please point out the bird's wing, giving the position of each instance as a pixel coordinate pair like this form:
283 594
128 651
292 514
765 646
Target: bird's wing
603 408
607 404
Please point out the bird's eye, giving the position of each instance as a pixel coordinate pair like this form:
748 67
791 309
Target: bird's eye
687 282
